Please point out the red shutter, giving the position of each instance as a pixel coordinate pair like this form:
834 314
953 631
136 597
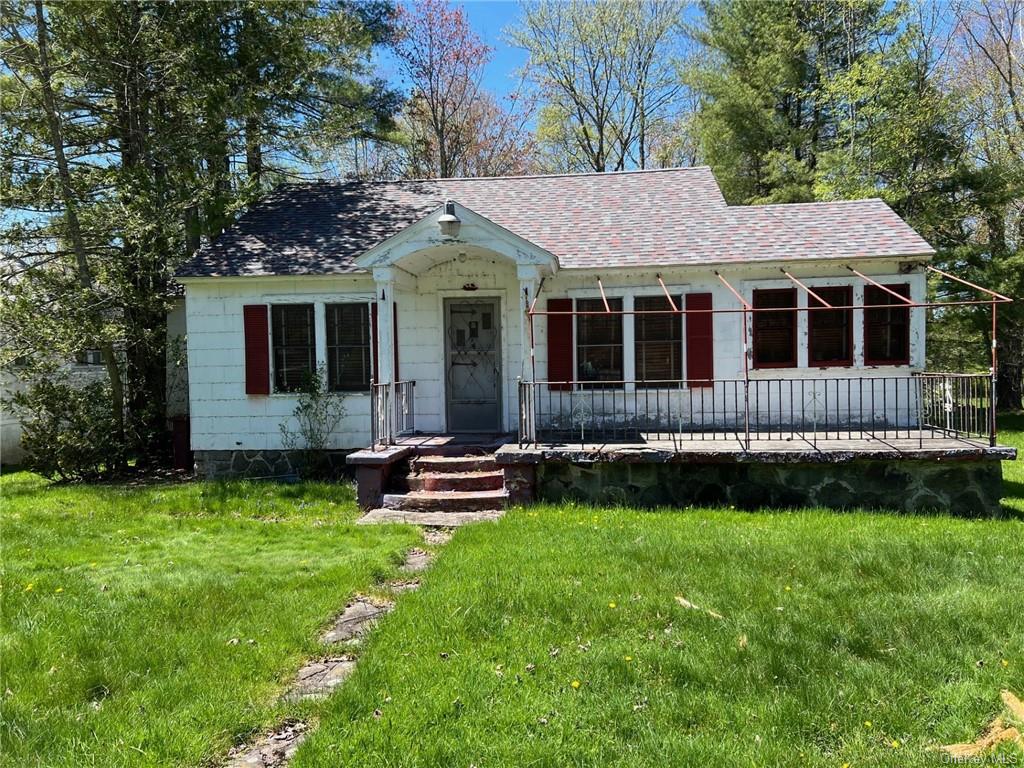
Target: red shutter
376 341
700 348
394 334
560 345
256 325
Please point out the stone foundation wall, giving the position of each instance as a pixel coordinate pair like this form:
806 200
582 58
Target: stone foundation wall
217 465
964 487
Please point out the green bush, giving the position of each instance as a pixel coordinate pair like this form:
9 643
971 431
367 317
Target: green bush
68 431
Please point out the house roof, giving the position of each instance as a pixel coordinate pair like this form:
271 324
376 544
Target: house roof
629 219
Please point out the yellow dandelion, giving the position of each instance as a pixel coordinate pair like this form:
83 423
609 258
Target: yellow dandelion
59 589
575 683
895 743
789 588
867 723
1005 663
846 765
92 565
28 587
611 605
629 658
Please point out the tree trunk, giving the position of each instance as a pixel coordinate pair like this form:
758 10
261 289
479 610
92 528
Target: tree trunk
84 274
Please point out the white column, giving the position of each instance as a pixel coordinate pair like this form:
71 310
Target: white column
385 288
529 281
628 342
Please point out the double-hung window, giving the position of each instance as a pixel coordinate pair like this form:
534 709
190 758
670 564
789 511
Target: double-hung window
294 345
599 343
775 329
659 339
830 331
887 328
348 347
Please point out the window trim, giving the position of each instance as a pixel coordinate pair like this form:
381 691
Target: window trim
641 382
898 288
273 347
614 384
848 302
369 346
794 361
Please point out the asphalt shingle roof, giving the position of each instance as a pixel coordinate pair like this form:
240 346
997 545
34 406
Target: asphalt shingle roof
629 219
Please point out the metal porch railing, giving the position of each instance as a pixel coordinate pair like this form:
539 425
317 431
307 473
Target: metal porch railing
920 406
392 411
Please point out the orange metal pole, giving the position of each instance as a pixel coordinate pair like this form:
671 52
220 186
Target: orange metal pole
968 283
604 298
671 301
809 291
862 276
735 293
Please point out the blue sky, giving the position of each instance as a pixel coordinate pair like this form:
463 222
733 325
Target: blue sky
490 19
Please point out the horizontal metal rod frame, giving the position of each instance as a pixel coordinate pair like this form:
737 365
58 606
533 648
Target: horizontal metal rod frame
755 380
735 310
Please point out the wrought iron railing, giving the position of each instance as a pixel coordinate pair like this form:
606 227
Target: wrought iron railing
924 406
392 411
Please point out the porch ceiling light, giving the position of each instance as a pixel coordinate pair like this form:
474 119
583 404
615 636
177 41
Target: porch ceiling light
448 221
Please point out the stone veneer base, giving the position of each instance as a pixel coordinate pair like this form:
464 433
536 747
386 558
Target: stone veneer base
262 464
962 487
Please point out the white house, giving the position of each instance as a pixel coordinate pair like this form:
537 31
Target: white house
635 307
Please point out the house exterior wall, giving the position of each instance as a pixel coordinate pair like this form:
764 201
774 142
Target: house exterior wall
225 419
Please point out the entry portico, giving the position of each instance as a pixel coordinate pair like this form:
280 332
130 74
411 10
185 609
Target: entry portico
461 288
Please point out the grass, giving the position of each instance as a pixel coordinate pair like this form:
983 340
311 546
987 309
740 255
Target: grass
1011 432
554 637
119 605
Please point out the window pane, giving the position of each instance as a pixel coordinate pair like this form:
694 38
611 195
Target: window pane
659 345
294 345
348 347
599 341
886 331
831 341
774 332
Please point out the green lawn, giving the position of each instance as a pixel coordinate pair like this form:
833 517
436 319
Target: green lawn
554 637
119 605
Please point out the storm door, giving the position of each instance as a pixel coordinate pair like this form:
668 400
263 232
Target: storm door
472 365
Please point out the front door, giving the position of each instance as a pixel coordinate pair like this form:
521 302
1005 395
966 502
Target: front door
473 365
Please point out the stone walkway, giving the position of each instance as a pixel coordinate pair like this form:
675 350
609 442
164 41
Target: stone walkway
319 677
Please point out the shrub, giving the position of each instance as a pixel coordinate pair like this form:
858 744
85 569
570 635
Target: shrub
68 431
308 432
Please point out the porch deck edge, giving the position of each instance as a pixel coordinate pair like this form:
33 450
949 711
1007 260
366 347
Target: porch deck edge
724 454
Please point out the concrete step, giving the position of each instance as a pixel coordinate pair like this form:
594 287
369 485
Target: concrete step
446 501
429 519
457 481
461 463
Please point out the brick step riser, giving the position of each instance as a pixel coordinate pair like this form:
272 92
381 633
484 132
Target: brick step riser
493 481
441 504
462 464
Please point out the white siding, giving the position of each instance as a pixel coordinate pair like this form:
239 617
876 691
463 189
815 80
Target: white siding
224 418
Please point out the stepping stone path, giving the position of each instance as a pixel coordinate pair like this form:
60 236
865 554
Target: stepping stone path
319 677
273 750
356 620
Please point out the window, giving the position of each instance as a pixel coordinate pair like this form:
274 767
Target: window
887 329
775 331
830 331
659 339
294 345
599 342
89 357
348 347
